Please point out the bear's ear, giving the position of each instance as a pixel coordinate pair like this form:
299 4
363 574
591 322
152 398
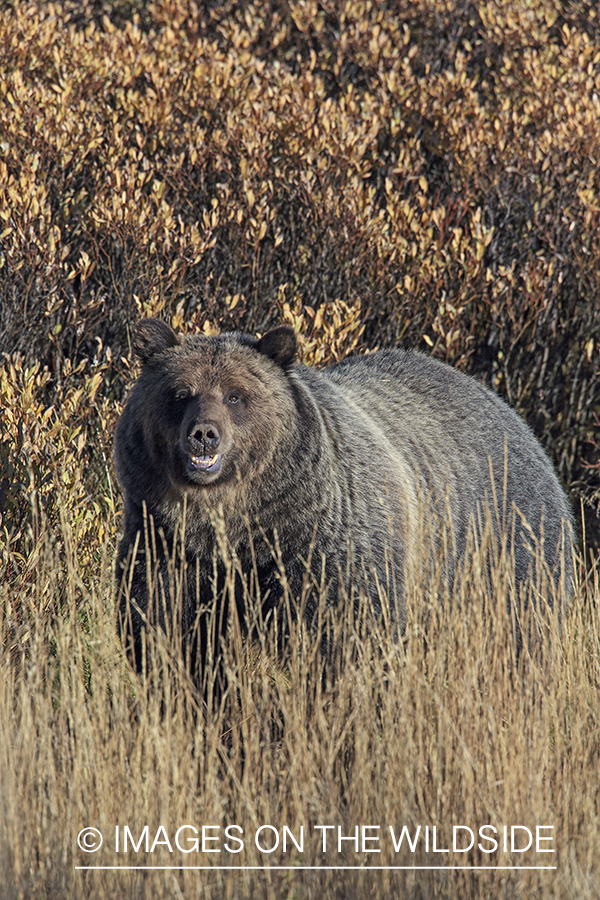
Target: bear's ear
151 336
280 345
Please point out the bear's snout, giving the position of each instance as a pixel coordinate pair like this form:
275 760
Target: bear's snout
201 443
203 438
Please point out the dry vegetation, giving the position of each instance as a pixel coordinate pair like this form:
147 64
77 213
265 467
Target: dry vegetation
416 172
447 728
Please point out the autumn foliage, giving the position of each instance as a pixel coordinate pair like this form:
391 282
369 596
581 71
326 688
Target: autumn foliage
431 166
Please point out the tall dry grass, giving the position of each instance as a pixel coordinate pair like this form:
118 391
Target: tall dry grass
449 726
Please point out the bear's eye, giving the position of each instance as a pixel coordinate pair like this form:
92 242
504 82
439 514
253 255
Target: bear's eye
233 398
182 394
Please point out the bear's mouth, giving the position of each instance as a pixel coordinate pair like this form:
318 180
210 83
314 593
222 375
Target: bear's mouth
206 463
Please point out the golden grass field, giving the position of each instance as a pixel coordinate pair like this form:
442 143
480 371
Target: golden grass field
445 728
419 173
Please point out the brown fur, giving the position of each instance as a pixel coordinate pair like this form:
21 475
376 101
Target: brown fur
339 463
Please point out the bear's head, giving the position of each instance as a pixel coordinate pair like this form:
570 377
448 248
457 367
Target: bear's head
211 409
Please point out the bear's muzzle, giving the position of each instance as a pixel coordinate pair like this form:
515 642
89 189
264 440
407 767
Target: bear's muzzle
203 440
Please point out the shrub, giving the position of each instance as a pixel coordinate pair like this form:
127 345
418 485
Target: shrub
431 164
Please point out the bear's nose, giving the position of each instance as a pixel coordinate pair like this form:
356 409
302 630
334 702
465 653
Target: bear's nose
203 438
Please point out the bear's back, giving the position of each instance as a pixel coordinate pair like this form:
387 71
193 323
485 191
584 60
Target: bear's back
426 402
459 438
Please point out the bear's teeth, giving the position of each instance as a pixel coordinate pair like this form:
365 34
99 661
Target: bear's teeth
205 461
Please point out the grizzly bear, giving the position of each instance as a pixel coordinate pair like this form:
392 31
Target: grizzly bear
319 474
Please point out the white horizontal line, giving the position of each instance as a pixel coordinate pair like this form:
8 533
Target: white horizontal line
316 868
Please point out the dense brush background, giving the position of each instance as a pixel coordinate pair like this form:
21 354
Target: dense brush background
423 173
